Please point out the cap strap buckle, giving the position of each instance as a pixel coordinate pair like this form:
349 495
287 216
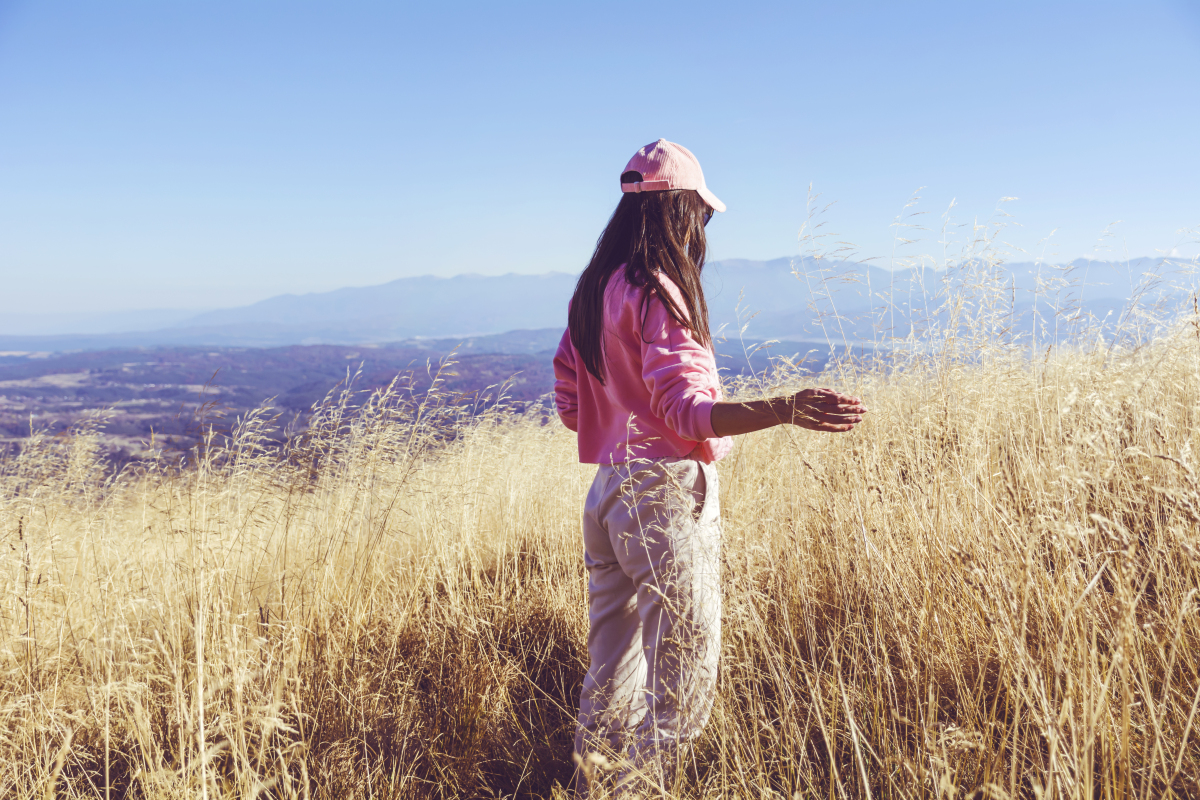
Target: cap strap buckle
646 186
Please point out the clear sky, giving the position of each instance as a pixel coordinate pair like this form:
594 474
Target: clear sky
180 153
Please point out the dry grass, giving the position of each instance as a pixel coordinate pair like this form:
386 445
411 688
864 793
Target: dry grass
988 590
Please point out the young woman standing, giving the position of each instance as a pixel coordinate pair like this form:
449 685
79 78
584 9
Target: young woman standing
636 379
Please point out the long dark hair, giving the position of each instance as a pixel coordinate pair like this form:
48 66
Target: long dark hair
651 233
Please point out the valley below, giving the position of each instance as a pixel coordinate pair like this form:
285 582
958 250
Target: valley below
163 400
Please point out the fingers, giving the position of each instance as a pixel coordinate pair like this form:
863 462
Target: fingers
823 392
840 408
807 420
827 398
827 411
824 427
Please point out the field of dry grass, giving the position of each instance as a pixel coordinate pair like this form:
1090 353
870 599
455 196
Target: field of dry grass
988 590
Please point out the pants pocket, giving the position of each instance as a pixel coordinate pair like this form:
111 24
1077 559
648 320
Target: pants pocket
694 483
709 505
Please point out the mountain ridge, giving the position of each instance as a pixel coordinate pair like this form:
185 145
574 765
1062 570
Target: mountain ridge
785 298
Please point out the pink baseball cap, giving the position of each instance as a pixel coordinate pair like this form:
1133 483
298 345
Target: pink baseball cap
666 165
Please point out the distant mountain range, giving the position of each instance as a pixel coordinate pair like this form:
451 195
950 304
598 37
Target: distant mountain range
787 298
407 308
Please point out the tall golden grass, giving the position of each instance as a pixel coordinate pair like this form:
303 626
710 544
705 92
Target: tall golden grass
988 590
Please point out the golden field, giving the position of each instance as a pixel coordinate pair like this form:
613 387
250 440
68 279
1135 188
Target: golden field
988 590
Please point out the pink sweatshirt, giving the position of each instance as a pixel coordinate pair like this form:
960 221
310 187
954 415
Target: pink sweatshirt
658 394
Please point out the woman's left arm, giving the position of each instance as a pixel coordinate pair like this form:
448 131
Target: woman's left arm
815 409
680 373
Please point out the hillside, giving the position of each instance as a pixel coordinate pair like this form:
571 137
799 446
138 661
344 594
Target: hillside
988 589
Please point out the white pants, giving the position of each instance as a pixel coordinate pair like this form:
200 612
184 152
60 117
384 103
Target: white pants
651 533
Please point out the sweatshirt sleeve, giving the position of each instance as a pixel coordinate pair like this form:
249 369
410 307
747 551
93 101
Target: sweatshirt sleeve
680 373
566 384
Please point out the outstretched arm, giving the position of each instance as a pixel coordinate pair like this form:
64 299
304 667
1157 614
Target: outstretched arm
815 409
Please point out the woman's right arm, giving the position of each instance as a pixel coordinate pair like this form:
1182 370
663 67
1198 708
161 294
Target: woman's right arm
566 383
814 409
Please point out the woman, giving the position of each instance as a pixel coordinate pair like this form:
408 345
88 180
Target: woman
636 379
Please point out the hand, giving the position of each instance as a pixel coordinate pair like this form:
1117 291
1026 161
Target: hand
815 409
825 410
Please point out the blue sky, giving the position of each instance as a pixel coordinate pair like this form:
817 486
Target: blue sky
201 154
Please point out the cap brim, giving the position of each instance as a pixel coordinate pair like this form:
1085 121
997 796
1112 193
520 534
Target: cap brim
711 199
